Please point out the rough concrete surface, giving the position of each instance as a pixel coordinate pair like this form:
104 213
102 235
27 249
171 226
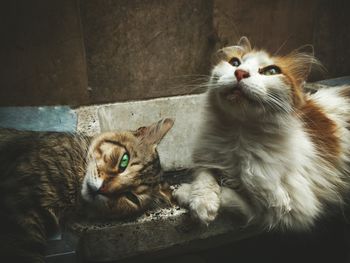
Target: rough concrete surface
88 122
165 232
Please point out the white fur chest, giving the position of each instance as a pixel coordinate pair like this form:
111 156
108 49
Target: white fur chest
264 161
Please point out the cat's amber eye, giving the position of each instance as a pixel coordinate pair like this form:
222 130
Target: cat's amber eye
234 62
270 70
124 161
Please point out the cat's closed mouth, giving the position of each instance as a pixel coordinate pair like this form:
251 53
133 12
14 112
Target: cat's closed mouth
130 196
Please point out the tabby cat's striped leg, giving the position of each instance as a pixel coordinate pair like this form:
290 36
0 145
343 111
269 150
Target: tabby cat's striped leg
22 248
23 241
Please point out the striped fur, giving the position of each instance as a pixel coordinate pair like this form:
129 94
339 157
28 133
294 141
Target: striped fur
267 150
44 177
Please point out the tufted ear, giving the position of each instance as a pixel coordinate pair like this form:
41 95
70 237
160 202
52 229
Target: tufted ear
245 44
300 62
154 133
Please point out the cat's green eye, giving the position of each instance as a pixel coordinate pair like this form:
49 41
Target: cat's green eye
270 70
124 161
234 62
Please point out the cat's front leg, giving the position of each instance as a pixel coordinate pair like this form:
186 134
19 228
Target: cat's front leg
202 196
231 201
205 197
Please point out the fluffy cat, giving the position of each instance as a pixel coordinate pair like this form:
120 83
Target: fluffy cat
268 150
45 175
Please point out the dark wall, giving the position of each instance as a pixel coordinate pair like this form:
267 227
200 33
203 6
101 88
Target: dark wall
142 49
94 51
42 53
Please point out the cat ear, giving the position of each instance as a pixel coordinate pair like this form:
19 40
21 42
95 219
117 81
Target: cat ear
154 133
245 44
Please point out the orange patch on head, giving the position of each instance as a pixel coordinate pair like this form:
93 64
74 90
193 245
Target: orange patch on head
296 66
322 131
287 65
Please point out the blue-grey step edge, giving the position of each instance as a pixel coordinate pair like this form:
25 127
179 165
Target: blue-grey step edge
48 118
345 80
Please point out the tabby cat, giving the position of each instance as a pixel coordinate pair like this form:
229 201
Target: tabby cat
45 175
268 150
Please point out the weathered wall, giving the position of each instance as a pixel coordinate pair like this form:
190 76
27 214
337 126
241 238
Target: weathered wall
42 54
143 49
94 51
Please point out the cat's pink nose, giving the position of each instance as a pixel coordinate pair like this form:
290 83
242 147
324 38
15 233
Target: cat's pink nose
241 74
103 189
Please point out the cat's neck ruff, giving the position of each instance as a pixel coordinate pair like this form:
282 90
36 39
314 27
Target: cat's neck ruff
279 123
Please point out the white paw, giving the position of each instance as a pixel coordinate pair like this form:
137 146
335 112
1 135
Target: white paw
182 194
205 207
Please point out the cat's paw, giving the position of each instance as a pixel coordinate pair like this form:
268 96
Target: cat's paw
182 194
205 208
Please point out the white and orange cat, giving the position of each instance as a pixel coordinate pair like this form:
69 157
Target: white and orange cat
267 149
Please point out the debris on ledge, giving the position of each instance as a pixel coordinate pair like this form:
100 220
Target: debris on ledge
155 234
160 233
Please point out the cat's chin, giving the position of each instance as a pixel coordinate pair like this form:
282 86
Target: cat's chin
235 95
95 199
238 95
238 104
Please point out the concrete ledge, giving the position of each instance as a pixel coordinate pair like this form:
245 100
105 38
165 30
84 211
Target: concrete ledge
336 81
154 235
56 118
161 233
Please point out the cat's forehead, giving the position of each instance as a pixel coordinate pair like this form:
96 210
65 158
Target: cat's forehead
108 140
258 57
232 51
115 144
117 136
